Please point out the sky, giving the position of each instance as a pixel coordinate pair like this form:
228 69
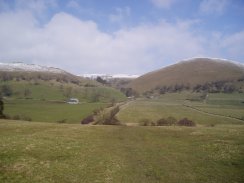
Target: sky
119 36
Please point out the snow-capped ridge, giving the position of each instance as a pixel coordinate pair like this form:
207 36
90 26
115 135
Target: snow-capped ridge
215 59
23 67
110 76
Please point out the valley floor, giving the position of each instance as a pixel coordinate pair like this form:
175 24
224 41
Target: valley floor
216 109
53 152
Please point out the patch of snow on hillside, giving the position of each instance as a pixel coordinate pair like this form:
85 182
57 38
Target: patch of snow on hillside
19 66
109 76
214 59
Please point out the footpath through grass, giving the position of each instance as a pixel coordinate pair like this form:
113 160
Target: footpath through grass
46 152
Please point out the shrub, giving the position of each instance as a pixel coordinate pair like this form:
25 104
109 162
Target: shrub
163 122
171 120
7 116
16 117
87 120
6 90
186 122
166 122
145 122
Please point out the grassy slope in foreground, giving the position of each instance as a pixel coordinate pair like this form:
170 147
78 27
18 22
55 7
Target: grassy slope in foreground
192 72
43 152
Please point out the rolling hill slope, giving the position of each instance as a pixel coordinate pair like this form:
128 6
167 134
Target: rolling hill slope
29 81
39 93
27 72
190 73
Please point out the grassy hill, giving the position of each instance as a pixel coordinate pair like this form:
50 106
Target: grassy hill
53 86
59 91
42 96
190 73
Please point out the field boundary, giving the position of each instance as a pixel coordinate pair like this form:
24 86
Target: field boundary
209 113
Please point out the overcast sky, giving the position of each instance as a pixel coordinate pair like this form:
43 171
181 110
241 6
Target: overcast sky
119 36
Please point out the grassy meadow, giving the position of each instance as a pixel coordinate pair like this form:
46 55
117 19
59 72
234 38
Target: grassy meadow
47 152
215 109
51 152
50 111
45 101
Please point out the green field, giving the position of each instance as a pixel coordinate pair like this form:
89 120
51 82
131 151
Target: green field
46 152
216 109
50 111
45 101
52 90
211 152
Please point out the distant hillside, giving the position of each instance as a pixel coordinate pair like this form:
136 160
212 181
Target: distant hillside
108 77
29 81
19 66
190 74
22 71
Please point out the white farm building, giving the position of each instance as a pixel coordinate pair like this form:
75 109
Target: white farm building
73 101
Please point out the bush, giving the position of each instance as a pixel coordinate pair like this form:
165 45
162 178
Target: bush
171 120
16 117
6 90
146 122
186 122
166 122
7 116
87 120
163 122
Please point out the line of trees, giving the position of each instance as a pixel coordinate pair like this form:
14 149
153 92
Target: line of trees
216 87
23 76
210 87
6 90
129 92
170 121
